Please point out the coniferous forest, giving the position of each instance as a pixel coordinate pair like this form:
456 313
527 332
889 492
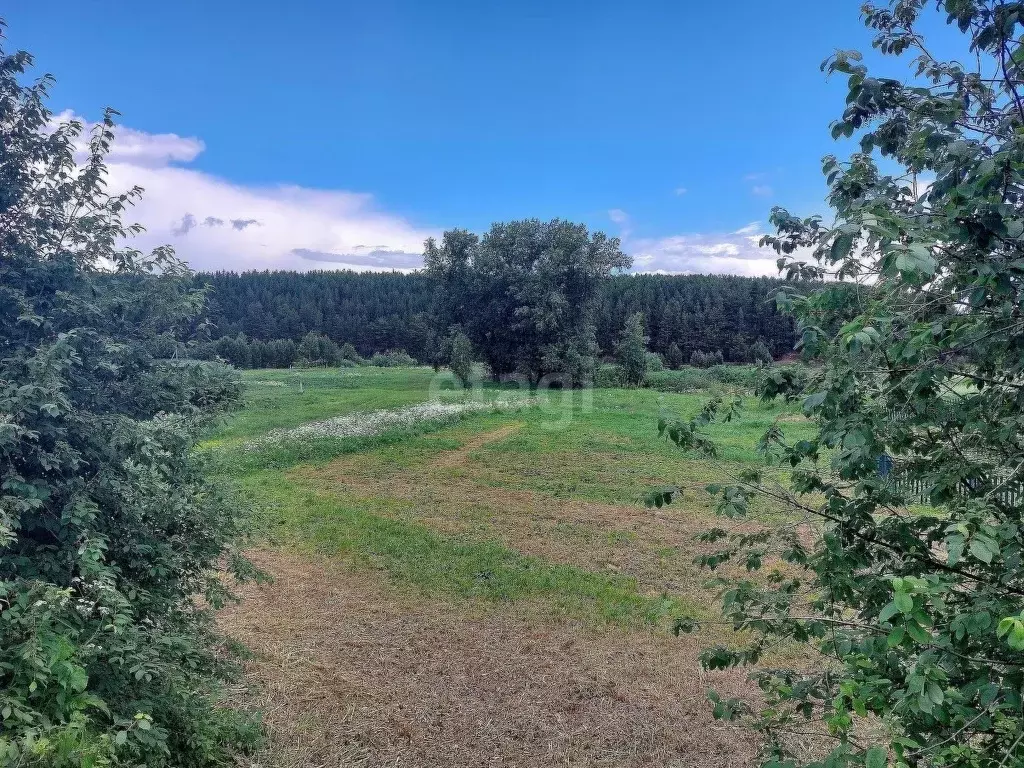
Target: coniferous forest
377 312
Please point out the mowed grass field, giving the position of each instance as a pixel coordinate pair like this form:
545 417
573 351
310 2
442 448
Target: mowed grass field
487 592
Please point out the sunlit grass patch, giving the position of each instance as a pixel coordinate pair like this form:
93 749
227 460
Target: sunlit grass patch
287 398
436 563
545 504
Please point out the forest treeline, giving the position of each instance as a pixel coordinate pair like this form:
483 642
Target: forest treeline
377 312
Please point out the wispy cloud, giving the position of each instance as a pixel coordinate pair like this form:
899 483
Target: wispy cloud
680 191
620 217
216 224
762 190
735 253
753 228
361 256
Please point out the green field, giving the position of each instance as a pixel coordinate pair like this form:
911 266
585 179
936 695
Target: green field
535 513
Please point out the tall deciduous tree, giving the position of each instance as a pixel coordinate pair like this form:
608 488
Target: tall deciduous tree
108 530
525 294
917 616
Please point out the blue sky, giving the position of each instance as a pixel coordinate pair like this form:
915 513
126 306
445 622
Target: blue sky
674 124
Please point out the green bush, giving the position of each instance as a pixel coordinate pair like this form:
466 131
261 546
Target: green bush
393 358
317 350
610 375
700 359
350 353
109 531
690 379
654 362
674 356
760 354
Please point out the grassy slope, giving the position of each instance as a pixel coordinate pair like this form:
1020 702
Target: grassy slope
516 522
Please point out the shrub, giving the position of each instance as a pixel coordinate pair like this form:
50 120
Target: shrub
706 359
108 529
317 350
393 358
674 356
690 379
914 619
610 375
654 362
350 353
760 353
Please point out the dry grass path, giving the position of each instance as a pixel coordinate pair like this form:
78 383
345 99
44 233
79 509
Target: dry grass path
352 671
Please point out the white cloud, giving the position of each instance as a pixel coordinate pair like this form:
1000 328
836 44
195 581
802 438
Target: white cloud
753 228
134 147
735 253
681 191
762 190
216 224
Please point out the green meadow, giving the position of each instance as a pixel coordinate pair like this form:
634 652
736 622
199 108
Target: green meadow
541 505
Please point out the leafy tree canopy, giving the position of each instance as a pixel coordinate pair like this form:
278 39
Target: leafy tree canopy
917 615
525 294
108 530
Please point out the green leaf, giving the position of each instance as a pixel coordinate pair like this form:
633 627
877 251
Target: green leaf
954 549
904 602
888 612
813 401
1016 636
983 549
841 246
877 757
917 632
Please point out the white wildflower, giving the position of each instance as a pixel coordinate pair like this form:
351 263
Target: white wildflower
369 424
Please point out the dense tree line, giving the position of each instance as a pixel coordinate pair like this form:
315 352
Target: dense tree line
376 312
372 311
697 313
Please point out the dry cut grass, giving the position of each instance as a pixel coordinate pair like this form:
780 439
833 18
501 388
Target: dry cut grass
351 671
